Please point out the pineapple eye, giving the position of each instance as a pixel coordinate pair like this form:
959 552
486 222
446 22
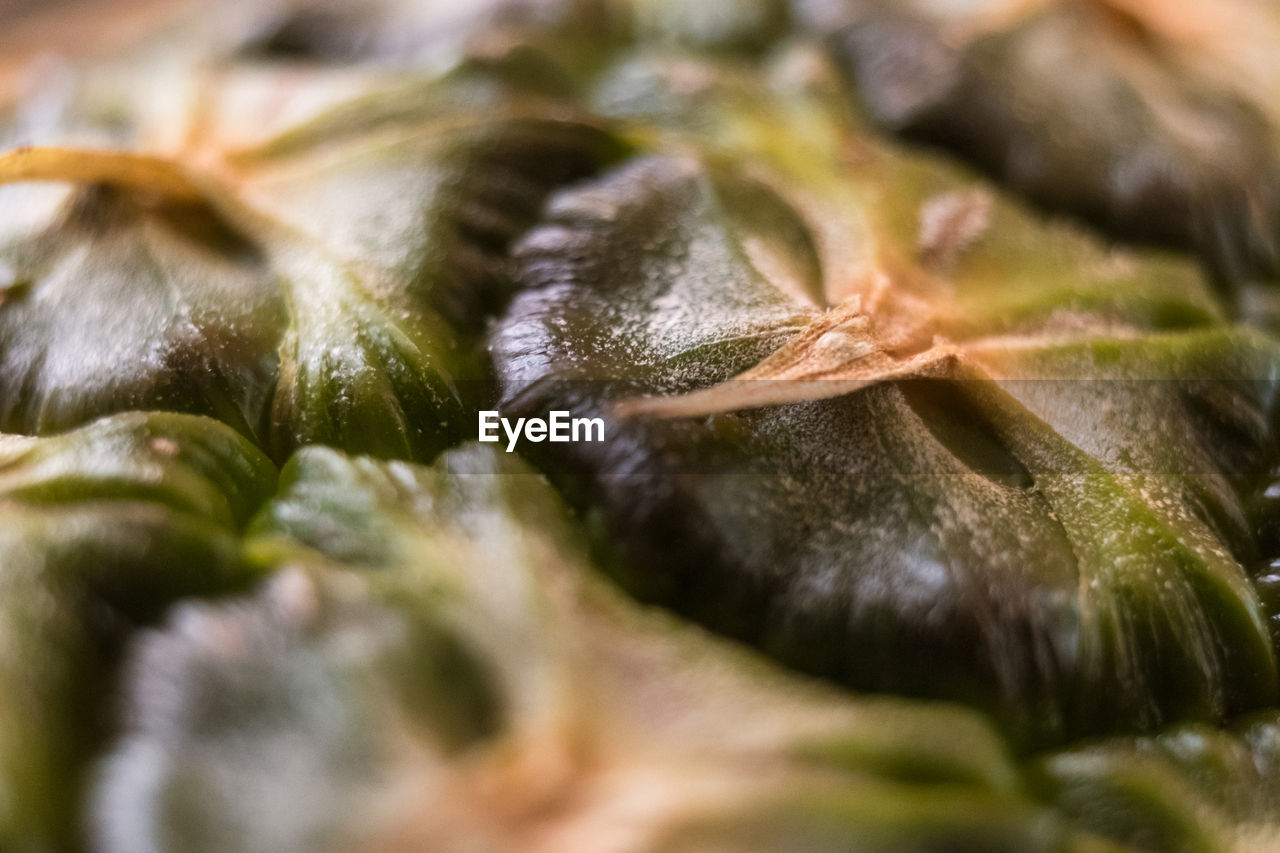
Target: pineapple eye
1162 132
950 457
296 304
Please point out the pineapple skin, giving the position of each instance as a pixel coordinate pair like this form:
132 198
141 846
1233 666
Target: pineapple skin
1002 480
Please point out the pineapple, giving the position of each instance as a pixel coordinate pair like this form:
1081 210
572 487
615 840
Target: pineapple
935 507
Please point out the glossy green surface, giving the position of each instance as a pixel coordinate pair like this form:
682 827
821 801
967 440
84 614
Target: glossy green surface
1055 533
459 594
104 528
1009 488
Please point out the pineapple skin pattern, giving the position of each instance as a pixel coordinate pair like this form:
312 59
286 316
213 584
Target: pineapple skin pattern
935 351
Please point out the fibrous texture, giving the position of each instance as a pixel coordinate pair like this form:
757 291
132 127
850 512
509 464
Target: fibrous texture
936 502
